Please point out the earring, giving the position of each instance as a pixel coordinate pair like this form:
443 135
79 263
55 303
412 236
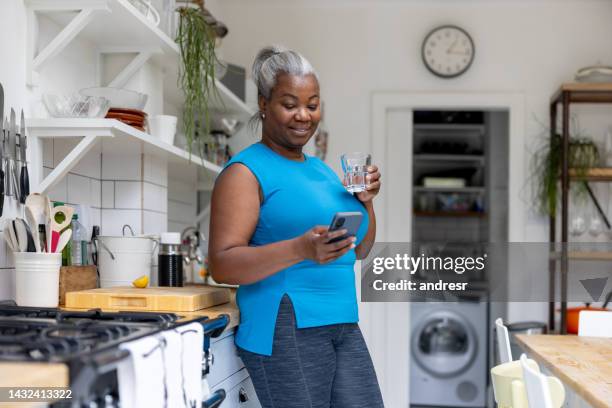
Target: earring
263 115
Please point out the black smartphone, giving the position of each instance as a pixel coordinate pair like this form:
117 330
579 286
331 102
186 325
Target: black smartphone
345 220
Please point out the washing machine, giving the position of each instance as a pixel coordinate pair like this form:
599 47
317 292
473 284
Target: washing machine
448 365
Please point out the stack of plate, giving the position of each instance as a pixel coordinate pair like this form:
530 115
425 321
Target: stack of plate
133 117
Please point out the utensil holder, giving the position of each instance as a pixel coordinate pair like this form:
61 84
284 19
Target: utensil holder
37 278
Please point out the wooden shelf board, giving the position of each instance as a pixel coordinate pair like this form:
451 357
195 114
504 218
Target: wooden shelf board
421 189
594 174
584 92
585 256
458 214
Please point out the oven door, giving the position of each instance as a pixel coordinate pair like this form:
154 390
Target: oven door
444 344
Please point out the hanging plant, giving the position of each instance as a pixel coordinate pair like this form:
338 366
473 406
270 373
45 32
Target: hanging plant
196 38
546 167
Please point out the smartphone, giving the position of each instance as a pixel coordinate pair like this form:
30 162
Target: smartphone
345 220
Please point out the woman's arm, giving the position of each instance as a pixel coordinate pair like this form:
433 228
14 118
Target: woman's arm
366 198
234 215
363 249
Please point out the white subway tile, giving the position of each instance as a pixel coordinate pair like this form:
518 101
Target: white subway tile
59 192
184 192
108 194
7 284
121 167
79 189
155 197
128 194
89 165
61 147
155 169
180 212
114 220
96 193
175 226
96 216
154 222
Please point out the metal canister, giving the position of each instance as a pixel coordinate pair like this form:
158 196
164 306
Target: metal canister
170 260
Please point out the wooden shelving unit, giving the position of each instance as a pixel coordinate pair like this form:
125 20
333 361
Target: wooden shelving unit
567 94
459 214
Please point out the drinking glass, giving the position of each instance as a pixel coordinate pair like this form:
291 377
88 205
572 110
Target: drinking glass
355 168
578 224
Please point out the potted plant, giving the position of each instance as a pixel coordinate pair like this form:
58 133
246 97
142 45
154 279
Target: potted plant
197 38
546 167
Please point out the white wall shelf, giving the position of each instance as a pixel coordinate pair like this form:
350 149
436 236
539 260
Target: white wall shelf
117 137
115 26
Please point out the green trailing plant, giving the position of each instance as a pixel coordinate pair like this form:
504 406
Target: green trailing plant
197 39
546 167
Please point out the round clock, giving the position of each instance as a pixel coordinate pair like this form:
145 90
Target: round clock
448 51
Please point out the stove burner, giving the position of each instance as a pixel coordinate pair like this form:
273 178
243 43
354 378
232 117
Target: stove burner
93 314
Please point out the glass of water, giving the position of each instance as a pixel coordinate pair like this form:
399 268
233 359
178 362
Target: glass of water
355 168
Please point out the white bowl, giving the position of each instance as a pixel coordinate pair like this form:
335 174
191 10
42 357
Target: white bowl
119 98
75 106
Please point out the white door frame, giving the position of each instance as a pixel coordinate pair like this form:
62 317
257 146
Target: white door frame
383 102
388 327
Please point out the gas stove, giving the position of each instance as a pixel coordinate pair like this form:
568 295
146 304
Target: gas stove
87 341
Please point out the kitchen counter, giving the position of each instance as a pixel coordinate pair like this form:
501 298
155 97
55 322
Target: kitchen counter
582 363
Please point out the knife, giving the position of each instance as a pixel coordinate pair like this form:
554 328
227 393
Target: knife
1 150
24 180
5 159
12 151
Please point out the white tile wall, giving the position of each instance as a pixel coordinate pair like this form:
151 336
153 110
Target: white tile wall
181 212
7 288
96 193
155 197
121 167
79 189
113 221
60 191
108 194
155 170
128 194
154 222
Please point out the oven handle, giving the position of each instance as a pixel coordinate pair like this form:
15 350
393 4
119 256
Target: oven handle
215 400
214 327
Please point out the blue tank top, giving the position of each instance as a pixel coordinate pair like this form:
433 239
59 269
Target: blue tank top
296 197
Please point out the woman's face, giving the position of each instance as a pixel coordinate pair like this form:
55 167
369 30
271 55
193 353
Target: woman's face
293 112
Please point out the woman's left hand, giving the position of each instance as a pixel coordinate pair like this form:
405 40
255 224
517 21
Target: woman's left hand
372 185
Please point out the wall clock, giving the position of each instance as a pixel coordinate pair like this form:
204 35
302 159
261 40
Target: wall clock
448 51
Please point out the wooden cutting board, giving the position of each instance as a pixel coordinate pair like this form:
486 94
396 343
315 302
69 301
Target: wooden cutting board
185 299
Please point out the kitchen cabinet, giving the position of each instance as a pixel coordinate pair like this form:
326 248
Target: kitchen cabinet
225 360
567 94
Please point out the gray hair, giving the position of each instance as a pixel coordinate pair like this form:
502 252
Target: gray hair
272 61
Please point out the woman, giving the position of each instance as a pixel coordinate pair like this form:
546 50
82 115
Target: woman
298 334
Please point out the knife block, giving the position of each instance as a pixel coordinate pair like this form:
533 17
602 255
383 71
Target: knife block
73 278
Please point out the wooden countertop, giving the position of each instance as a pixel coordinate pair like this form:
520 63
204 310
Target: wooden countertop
582 363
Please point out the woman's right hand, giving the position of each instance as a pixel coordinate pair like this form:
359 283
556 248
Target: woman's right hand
314 245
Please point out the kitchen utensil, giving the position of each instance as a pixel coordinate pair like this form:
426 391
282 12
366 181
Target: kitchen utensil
11 168
24 179
37 278
21 235
39 206
24 235
63 240
121 259
76 106
185 299
61 216
163 127
119 98
9 235
33 225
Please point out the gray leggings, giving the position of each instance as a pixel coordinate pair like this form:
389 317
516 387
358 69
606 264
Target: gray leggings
317 367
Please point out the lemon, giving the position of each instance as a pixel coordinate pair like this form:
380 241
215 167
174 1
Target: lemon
141 282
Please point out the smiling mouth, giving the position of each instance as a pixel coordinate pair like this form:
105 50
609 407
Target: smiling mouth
301 131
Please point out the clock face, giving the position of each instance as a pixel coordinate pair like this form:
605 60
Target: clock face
448 51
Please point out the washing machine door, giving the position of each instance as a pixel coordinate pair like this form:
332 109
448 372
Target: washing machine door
444 344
